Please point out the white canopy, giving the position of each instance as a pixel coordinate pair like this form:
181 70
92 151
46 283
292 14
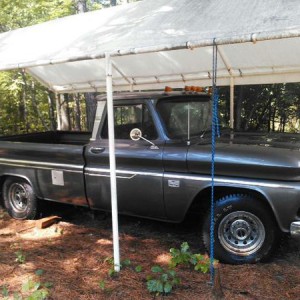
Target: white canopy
258 43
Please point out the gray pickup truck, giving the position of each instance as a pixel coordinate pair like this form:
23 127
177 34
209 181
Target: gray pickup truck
163 155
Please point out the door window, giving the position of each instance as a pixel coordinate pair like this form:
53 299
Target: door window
131 116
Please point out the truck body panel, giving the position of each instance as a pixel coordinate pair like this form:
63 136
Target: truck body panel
159 179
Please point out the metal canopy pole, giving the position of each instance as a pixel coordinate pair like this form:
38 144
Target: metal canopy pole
231 104
112 162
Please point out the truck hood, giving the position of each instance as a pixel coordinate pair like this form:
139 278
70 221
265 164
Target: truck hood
270 157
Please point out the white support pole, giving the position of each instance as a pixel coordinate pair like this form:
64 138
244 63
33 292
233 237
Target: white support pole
231 104
112 162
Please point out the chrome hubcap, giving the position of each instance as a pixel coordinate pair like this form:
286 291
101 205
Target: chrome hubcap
18 197
241 233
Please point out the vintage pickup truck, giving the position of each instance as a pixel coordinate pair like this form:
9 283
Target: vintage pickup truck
163 155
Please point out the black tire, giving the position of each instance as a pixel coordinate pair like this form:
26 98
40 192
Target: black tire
19 199
244 230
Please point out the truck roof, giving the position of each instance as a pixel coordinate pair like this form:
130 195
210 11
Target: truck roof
149 95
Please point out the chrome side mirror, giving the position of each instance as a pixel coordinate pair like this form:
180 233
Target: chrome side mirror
136 135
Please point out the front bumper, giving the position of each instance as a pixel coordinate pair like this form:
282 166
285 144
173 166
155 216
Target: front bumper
295 229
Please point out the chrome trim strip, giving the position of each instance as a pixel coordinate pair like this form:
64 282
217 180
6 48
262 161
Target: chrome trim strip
230 181
108 175
41 165
97 171
295 229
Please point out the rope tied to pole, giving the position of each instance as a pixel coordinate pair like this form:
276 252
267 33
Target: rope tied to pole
215 132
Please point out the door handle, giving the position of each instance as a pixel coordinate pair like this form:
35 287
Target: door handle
97 150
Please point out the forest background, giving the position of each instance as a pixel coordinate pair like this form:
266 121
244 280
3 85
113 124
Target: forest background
27 106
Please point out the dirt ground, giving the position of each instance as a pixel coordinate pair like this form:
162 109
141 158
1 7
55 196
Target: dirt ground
70 260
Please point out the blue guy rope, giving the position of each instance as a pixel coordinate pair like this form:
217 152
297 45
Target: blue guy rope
215 131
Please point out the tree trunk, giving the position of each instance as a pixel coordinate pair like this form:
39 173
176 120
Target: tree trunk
262 115
67 110
77 112
23 107
90 100
249 117
273 118
81 6
63 118
58 111
51 111
238 109
36 108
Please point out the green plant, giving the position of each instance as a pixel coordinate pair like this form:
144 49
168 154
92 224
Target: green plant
181 256
39 272
20 256
138 269
17 296
201 262
36 290
163 281
102 285
185 256
124 263
4 291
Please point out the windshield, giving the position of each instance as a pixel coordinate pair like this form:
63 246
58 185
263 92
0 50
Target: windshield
185 117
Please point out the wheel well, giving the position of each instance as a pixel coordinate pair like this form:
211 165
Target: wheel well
2 179
202 201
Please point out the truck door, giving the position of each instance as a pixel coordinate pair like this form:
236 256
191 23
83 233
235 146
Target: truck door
139 164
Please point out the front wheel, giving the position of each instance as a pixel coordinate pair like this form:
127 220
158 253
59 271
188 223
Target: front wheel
244 230
19 198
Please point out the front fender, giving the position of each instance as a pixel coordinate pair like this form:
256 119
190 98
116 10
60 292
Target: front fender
180 192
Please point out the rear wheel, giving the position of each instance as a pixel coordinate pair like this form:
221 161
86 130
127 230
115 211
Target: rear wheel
19 198
244 230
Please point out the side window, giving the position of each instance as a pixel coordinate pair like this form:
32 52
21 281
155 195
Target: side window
128 117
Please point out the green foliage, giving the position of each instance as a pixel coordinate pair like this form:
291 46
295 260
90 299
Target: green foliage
20 256
32 289
21 13
180 256
163 281
124 263
17 296
112 272
268 108
184 256
109 260
102 284
39 272
201 262
24 103
35 290
138 269
4 291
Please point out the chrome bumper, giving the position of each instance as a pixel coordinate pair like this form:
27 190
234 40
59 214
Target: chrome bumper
295 229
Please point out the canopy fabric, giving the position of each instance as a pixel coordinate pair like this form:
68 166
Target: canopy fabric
259 42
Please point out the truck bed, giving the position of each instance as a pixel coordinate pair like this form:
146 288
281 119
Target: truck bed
51 137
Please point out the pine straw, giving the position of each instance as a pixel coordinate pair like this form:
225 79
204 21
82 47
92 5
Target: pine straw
74 256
